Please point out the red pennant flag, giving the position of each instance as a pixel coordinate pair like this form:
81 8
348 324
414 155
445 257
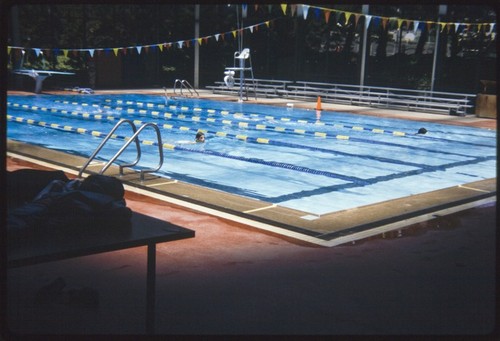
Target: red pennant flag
327 16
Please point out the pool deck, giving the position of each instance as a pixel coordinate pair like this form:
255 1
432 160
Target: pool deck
326 230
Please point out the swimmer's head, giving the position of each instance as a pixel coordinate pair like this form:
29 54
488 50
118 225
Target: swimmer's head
422 131
200 137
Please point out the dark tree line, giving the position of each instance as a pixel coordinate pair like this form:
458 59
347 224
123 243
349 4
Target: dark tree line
291 48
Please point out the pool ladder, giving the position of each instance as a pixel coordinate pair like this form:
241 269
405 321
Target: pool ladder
135 139
184 84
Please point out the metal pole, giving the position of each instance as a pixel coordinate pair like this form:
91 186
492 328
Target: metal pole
240 47
365 10
196 46
442 11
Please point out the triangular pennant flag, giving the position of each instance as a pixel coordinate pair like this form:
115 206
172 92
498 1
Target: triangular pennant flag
115 50
384 23
65 52
317 13
205 40
37 52
443 26
429 25
492 27
8 49
217 37
91 52
400 23
457 25
283 8
180 42
300 10
139 49
305 9
337 17
160 46
125 51
251 29
74 53
267 24
244 8
293 9
415 26
235 33
376 21
327 16
356 18
187 44
368 18
347 17
199 41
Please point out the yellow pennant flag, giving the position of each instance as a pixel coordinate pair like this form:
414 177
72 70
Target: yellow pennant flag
8 49
283 8
161 47
65 52
347 17
234 33
267 24
115 50
400 22
199 41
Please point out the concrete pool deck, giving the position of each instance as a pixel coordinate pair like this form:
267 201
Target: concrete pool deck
327 230
434 279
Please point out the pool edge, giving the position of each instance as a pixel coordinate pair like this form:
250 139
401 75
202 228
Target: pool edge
329 230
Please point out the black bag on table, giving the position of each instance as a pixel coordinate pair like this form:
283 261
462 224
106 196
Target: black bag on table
63 204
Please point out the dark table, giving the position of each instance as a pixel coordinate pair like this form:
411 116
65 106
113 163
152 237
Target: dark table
143 230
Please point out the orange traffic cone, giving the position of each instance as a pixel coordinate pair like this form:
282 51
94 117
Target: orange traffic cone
318 103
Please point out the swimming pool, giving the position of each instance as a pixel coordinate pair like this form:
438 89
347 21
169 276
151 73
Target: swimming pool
287 156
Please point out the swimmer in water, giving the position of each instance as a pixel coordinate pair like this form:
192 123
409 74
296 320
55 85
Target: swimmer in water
200 137
422 131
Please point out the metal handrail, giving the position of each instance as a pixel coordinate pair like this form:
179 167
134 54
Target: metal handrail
122 149
110 134
134 138
185 84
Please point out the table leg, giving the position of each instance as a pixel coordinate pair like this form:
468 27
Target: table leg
150 289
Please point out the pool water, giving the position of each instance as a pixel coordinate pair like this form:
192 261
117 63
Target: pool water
314 162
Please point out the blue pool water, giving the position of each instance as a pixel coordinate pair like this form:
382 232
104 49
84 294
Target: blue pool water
287 156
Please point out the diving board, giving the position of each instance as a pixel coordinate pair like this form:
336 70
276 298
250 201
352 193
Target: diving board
39 76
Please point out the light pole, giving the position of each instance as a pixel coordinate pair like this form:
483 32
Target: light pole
364 10
442 11
196 46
